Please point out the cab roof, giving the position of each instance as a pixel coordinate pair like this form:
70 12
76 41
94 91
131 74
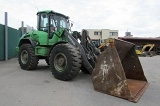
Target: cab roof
52 12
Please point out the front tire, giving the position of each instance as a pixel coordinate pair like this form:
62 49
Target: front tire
27 58
65 61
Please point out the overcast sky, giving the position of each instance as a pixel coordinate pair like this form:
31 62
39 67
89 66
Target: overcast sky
140 17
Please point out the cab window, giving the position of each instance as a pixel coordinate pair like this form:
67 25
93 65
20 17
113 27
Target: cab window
44 22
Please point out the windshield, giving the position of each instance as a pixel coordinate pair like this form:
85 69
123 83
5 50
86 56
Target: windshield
59 22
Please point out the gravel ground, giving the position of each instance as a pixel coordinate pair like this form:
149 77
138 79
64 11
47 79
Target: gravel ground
40 88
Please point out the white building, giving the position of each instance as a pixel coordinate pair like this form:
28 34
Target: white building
102 34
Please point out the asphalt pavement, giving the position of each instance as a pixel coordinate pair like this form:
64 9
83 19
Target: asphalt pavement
40 88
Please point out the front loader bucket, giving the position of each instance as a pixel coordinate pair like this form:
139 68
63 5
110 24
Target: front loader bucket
118 71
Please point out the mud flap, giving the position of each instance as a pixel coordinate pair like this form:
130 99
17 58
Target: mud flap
118 71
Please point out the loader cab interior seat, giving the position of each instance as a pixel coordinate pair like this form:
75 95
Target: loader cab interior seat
52 30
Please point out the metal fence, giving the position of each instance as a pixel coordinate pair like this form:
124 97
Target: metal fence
11 29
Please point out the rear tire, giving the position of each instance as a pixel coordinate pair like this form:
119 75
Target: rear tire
27 58
65 61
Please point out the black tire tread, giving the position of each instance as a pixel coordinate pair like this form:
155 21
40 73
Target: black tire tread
33 61
76 61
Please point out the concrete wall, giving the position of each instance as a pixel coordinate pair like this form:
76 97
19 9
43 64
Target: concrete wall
105 33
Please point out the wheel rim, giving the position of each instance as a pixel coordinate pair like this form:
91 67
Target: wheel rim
24 57
60 62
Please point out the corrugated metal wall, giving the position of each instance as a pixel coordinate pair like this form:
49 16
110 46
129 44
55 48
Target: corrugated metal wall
13 39
11 29
2 42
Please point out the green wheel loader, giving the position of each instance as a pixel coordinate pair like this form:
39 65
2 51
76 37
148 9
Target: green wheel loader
66 56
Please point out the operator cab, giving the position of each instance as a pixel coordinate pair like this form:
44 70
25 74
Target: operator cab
49 21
